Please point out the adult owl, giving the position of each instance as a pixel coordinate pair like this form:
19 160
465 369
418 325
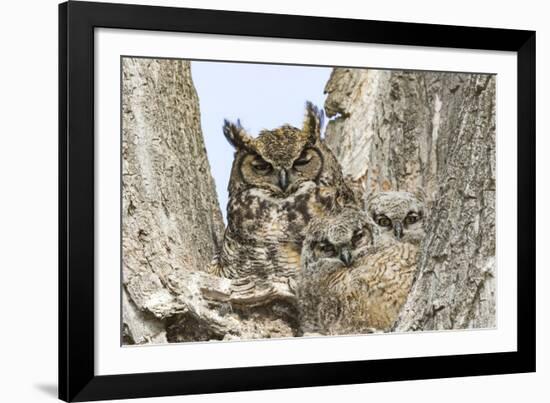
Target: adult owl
279 181
347 284
398 217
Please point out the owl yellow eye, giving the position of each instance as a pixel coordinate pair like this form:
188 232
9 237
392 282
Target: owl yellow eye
357 237
411 218
326 248
383 221
261 166
303 160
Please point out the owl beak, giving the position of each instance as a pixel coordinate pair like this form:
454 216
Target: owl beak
345 256
398 230
283 179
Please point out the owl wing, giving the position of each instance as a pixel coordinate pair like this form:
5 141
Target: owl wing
383 281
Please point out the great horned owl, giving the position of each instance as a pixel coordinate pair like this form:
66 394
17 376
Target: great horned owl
347 285
279 181
398 217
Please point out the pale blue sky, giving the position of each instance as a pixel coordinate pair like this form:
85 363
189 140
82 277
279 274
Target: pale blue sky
263 96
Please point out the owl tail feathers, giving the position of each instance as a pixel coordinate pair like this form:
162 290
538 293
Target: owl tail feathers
313 122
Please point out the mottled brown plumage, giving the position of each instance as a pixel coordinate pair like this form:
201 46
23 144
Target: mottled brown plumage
279 181
348 285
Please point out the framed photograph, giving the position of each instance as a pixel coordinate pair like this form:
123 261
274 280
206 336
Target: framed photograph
257 201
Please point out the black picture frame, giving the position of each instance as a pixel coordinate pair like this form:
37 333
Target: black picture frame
77 21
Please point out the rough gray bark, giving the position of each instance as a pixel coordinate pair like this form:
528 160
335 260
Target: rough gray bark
172 224
171 219
395 130
389 129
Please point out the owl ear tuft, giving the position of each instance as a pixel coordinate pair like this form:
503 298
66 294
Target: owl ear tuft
313 122
236 135
369 198
420 194
372 199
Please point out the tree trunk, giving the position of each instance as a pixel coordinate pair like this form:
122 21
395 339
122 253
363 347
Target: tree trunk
172 224
170 214
395 130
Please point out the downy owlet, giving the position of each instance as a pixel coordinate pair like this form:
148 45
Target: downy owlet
398 217
347 284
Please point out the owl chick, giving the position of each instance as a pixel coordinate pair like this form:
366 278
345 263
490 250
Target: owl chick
347 285
398 217
279 181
